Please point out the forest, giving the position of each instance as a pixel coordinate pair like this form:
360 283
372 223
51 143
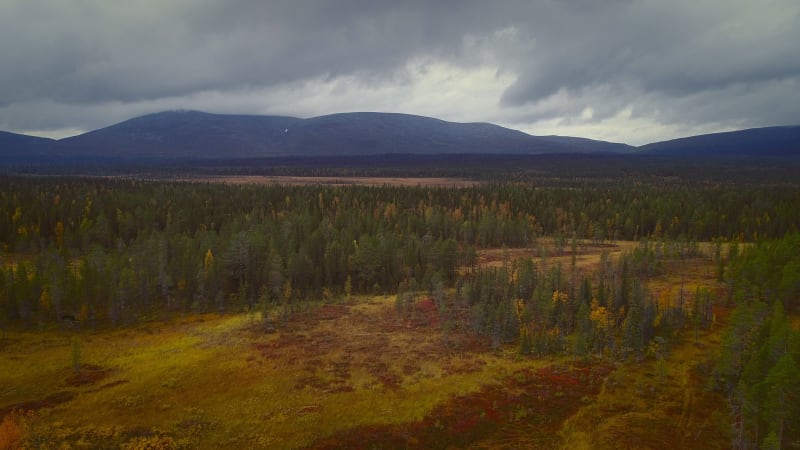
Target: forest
87 255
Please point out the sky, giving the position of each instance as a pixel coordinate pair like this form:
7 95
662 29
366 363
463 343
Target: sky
632 71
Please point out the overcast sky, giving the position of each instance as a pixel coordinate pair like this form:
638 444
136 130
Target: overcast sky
633 71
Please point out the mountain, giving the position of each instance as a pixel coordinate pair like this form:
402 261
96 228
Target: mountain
193 134
754 142
19 146
390 133
183 134
176 135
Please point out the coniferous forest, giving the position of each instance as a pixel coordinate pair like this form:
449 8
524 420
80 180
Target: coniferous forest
598 275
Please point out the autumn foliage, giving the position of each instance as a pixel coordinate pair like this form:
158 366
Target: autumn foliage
10 432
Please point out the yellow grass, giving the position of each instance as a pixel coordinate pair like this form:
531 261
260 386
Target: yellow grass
219 381
208 382
642 407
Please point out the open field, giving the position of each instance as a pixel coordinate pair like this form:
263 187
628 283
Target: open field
353 375
219 381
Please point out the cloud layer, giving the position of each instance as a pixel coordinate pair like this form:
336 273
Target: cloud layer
633 71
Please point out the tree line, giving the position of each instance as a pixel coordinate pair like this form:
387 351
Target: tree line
114 251
758 363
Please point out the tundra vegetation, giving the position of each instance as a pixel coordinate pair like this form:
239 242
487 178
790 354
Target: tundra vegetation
578 313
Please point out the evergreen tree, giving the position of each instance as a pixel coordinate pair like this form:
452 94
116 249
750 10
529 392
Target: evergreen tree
782 403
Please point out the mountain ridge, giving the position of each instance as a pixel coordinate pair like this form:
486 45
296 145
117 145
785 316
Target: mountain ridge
778 141
199 134
188 134
23 146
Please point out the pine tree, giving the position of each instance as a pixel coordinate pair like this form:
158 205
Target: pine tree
633 339
583 334
771 442
782 403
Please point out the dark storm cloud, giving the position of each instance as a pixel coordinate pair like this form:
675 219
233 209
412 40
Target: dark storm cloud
99 53
663 47
722 63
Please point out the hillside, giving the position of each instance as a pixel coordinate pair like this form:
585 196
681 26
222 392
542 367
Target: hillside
19 146
186 135
193 134
183 134
755 142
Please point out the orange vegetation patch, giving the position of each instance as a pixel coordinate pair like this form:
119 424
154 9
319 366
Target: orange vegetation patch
681 280
47 402
343 181
525 410
721 313
587 255
89 374
340 348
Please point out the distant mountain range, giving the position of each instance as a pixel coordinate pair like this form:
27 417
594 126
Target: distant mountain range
755 142
23 147
192 134
197 135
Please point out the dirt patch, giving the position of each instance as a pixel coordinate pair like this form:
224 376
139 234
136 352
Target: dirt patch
381 371
526 410
113 383
329 377
88 375
47 402
328 386
331 343
302 337
721 313
308 410
303 321
330 312
459 367
6 343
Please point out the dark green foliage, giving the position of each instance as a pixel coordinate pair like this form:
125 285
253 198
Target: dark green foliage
522 303
770 270
757 366
117 251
